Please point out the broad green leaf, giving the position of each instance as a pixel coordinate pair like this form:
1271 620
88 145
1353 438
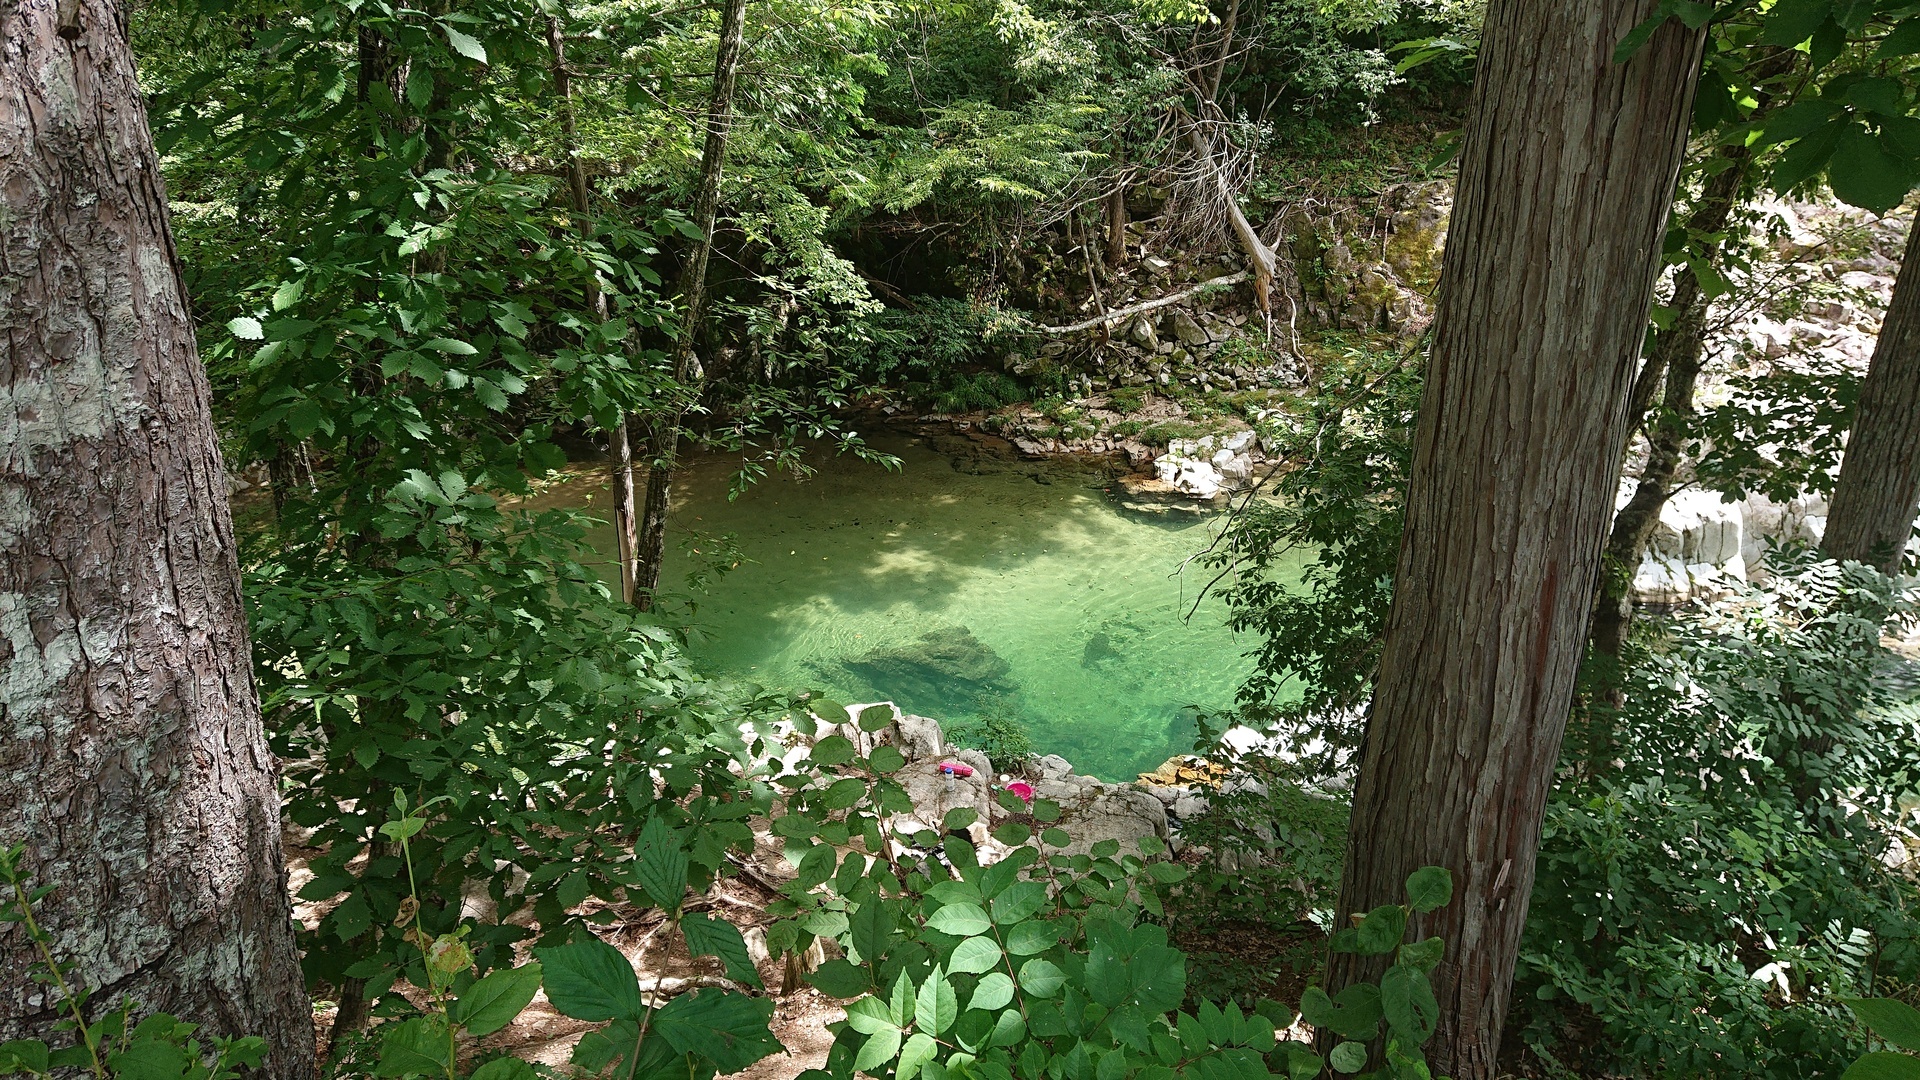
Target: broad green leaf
1009 1029
918 1051
879 1049
503 1068
662 864
157 1059
841 979
1032 936
1406 998
975 955
815 866
874 717
1380 932
935 1006
868 1015
832 750
1021 900
1041 978
1429 888
493 1002
1895 1021
449 346
1883 1065
729 1029
886 760
23 1055
289 293
416 1046
1422 954
994 992
1790 22
844 793
464 44
1348 1057
1903 41
1864 174
590 980
246 328
1159 978
709 936
960 920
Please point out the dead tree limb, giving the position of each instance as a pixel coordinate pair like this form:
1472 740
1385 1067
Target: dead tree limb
1112 317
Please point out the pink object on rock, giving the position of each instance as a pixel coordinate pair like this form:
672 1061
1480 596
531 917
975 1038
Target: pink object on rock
1022 789
955 768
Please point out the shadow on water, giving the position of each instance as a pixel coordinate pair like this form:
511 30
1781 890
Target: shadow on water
961 595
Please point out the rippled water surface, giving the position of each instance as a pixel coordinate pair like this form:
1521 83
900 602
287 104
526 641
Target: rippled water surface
1022 593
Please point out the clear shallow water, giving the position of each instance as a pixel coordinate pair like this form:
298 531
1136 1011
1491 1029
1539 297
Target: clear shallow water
962 595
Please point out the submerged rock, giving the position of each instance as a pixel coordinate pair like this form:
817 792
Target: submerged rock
940 664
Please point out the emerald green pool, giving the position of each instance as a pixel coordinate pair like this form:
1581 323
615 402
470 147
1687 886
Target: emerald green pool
1022 593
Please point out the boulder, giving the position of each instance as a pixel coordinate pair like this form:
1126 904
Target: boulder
1125 814
934 793
1141 333
1182 328
1054 767
920 737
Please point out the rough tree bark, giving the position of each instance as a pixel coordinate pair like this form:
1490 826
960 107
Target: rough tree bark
665 441
1878 493
132 754
619 447
1566 177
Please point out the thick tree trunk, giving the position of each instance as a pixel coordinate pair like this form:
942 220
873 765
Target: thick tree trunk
619 449
1878 493
665 443
1565 181
132 754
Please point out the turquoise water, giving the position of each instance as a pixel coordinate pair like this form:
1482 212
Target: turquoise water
1023 594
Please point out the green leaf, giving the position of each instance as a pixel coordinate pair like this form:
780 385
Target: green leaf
975 955
493 1002
1302 1063
23 1055
1790 22
1406 998
960 920
1805 158
936 1005
1032 936
156 1059
832 750
1864 174
1021 900
415 1047
1895 1021
1424 955
591 980
728 1029
840 978
887 759
662 865
1883 1065
1380 932
1429 888
1348 1057
1013 833
503 1068
449 346
874 717
245 328
815 867
994 992
465 45
844 793
1903 41
869 1015
708 936
1159 977
1010 1029
1041 978
289 293
918 1051
879 1049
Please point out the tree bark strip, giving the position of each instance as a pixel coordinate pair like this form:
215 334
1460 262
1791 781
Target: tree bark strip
132 753
619 448
1673 362
665 447
1878 493
1565 182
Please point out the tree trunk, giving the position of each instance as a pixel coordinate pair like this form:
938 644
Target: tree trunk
1117 224
1878 493
132 754
619 449
693 289
1260 258
1565 181
1675 360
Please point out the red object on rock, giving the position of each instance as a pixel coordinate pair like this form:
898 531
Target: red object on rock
955 768
1022 789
